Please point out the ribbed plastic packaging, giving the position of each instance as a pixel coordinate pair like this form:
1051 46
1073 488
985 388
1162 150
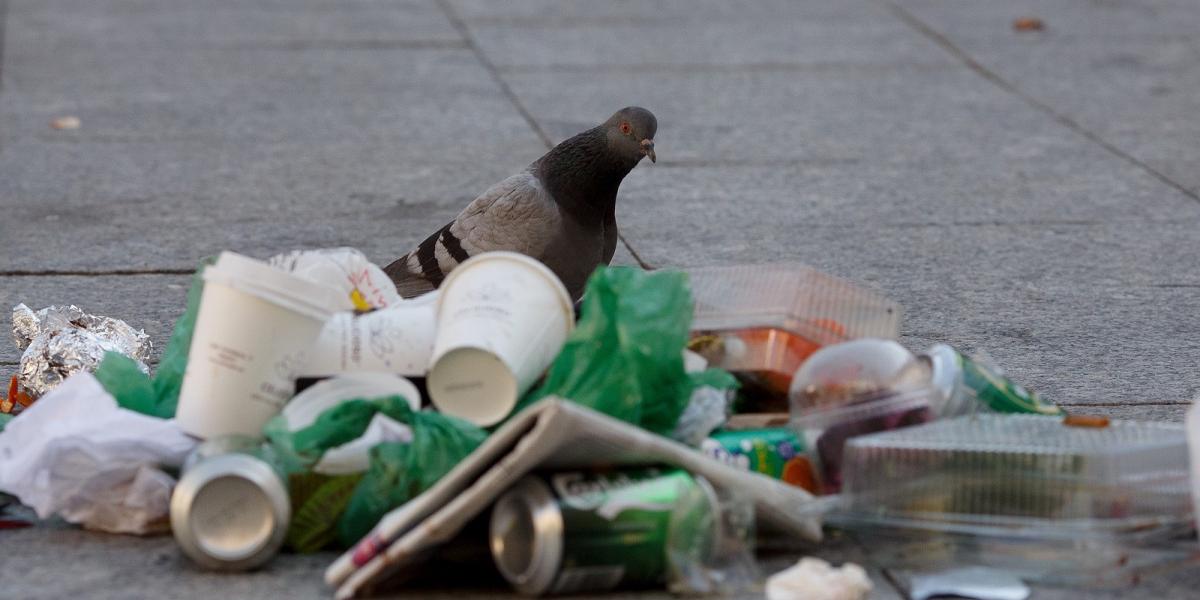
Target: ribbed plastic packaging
1023 471
767 319
1092 506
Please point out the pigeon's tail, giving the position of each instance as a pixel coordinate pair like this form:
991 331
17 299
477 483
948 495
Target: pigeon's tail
409 282
423 270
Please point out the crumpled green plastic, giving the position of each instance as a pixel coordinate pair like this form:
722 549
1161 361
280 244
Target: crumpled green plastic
397 473
625 356
400 472
157 397
4 419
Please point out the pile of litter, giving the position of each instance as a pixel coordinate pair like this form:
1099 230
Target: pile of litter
648 437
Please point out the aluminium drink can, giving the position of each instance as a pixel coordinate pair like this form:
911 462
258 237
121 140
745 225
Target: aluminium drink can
585 532
230 510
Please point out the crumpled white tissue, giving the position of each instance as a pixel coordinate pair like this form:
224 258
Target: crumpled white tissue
815 579
77 454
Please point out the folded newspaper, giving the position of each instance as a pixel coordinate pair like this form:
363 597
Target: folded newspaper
552 434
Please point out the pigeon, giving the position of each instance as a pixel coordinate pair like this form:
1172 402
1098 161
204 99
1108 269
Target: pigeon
559 210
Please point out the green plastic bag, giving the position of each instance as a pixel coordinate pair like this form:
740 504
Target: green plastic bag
301 449
397 472
400 472
157 397
625 356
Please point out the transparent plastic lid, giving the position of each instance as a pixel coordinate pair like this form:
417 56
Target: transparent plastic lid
1018 471
791 297
853 372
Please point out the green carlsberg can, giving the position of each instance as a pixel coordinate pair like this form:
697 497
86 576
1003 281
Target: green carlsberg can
580 531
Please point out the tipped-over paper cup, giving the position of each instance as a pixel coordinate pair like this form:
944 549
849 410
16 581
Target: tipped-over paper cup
254 325
396 339
502 318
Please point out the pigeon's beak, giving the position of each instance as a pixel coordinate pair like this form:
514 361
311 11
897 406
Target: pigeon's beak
648 149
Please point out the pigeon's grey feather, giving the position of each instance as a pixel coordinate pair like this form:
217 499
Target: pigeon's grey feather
515 214
561 210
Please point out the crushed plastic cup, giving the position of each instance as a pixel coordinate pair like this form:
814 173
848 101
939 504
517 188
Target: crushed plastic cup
254 325
354 455
502 318
397 339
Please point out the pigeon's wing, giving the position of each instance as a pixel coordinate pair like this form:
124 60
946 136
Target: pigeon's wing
411 278
516 214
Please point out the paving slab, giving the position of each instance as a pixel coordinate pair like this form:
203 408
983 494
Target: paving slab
1137 61
161 27
1065 307
417 96
929 117
164 205
836 134
733 41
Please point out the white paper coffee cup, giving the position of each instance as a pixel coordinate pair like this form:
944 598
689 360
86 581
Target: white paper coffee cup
502 318
397 339
254 325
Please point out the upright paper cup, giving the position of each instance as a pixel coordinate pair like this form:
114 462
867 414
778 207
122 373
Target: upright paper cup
397 339
253 328
502 318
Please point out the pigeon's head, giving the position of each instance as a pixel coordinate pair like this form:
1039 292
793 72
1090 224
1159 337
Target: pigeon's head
631 133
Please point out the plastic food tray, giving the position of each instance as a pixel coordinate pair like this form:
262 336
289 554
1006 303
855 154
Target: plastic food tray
763 321
1024 476
791 297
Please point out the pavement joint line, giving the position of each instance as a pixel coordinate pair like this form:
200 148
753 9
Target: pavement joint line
944 42
1165 403
347 45
101 273
508 92
490 67
785 67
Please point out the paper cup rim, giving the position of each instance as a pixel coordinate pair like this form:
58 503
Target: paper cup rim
261 280
538 266
509 405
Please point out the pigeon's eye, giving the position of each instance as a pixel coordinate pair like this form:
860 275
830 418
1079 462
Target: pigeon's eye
625 128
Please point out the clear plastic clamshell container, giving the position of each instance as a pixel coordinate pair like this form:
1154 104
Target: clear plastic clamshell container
826 430
1019 470
855 388
1051 501
762 321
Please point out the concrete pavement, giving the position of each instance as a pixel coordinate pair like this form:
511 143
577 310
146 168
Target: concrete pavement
1032 194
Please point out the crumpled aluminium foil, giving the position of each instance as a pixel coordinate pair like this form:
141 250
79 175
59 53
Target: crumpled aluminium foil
62 340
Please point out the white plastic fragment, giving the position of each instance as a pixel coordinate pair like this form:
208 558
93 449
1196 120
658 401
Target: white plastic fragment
815 579
77 454
981 583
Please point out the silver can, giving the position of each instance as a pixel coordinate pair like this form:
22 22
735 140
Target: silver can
230 510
